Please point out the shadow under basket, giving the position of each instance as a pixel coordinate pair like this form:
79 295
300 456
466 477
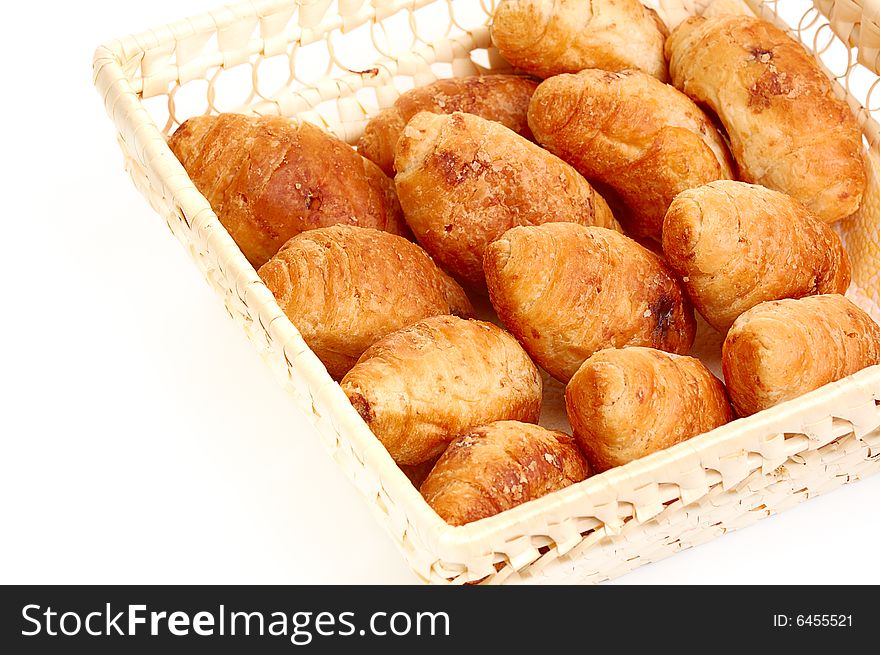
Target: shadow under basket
338 62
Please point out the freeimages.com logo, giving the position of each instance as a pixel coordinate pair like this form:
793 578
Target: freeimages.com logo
300 627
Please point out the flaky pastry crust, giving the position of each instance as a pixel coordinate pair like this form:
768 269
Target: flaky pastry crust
626 403
346 287
549 37
501 98
642 138
421 386
566 291
787 129
463 181
269 178
736 244
498 466
782 349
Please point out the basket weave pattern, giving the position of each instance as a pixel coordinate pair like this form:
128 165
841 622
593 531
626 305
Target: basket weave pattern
294 58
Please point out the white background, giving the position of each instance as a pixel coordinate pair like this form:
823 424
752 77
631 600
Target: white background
143 439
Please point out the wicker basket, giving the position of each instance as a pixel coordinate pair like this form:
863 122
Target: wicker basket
294 58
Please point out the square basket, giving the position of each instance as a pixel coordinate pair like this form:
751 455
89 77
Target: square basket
337 62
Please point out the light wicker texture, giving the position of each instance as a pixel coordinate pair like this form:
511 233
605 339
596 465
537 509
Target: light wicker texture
293 58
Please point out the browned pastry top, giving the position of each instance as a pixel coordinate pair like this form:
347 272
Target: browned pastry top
269 178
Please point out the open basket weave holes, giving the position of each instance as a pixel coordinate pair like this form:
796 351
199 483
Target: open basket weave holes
336 63
331 62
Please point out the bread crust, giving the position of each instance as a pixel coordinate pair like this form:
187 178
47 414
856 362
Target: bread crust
736 244
643 138
498 466
269 178
782 349
463 181
549 37
627 403
788 131
566 291
427 383
501 98
346 287
417 473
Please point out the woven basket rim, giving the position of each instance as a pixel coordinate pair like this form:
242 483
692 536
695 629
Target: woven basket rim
765 421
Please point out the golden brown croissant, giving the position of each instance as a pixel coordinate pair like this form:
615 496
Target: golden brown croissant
427 383
270 178
736 245
566 291
498 466
346 287
626 403
629 131
548 37
463 181
502 98
782 349
787 129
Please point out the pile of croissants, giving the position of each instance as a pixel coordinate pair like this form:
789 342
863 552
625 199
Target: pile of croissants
626 177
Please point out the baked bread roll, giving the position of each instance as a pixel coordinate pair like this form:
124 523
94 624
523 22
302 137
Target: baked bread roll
642 138
549 37
431 381
782 349
736 245
269 178
627 403
346 287
463 181
787 129
498 466
502 98
566 291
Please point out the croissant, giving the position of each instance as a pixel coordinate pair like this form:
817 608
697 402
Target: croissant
736 245
626 403
463 181
431 381
549 37
566 290
501 98
346 287
787 129
627 130
270 178
498 466
781 349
